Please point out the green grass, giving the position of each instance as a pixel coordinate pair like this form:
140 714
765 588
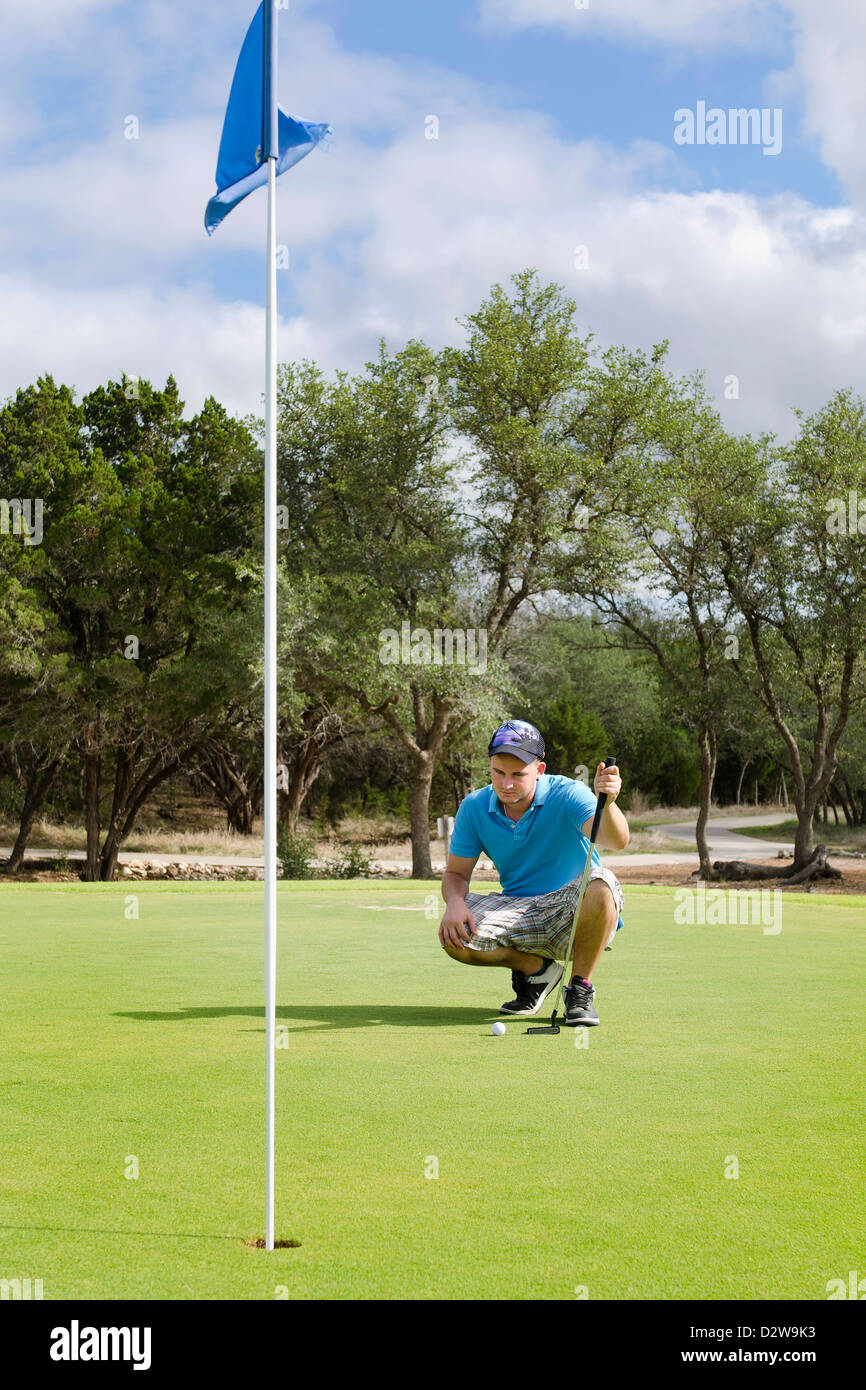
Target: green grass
558 1167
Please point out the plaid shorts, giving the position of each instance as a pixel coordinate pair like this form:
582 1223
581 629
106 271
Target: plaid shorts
540 925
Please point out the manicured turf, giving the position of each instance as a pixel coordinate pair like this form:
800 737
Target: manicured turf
558 1168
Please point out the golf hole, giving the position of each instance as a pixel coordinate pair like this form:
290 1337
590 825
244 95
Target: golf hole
259 1243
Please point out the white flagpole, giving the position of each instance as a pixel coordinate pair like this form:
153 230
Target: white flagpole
270 748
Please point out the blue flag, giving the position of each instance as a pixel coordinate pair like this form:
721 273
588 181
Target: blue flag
242 160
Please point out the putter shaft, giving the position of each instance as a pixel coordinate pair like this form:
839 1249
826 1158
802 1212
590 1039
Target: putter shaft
553 1026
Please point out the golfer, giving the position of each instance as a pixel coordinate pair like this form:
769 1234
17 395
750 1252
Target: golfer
536 830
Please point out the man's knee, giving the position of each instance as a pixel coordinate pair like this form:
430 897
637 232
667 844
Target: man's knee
598 899
461 953
467 956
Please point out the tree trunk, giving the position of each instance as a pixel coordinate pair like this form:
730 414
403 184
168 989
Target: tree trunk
707 745
108 860
458 772
292 801
742 775
124 772
303 771
319 729
240 815
422 866
38 785
855 802
135 795
815 867
804 840
233 786
92 766
846 802
426 749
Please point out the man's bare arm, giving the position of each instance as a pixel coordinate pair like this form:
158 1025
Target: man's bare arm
457 916
613 833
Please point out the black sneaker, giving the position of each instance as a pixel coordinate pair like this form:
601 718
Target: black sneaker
579 1011
530 991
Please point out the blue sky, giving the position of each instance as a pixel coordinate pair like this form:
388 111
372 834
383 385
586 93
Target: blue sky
593 86
556 129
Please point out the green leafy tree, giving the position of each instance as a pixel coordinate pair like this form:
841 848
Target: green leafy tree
670 600
619 683
848 788
141 569
573 737
796 570
547 457
374 520
37 697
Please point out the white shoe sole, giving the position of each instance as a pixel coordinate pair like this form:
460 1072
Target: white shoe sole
528 1013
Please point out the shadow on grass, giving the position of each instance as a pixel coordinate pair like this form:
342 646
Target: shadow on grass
335 1016
106 1231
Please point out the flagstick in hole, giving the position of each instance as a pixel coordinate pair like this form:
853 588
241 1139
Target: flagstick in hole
260 142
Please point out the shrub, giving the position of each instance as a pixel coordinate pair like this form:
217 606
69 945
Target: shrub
294 854
354 864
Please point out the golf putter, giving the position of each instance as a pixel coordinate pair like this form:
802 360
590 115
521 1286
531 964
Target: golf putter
553 1026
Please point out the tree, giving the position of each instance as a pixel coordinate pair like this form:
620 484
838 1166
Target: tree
33 704
374 520
36 694
573 736
671 601
141 569
796 569
848 787
515 389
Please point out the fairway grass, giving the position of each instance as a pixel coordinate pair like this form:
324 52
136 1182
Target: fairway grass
418 1156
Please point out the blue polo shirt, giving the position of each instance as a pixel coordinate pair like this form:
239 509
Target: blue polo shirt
539 853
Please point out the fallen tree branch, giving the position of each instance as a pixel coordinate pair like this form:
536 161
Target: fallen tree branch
738 869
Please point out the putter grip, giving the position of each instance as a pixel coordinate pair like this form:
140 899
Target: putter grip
599 810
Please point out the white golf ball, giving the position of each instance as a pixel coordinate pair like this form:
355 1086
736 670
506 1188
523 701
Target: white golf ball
497 1028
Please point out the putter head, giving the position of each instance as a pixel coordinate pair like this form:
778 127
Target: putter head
551 1027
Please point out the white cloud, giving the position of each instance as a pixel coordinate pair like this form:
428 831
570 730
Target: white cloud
413 236
88 338
397 235
113 202
30 26
826 74
829 44
694 24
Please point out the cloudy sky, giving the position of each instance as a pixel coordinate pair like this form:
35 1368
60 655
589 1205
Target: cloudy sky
556 129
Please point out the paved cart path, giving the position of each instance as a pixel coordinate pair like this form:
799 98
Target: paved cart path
723 843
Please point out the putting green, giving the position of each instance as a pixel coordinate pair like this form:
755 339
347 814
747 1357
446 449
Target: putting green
418 1156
